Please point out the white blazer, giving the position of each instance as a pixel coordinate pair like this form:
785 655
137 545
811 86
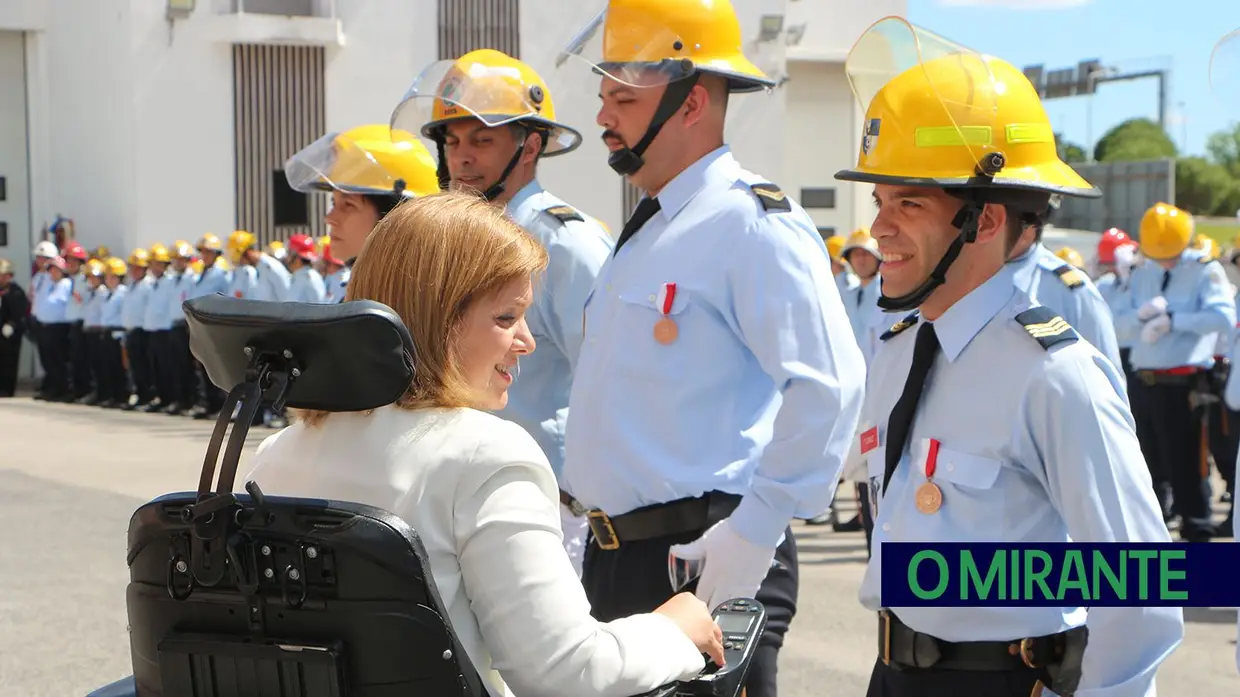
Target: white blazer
483 498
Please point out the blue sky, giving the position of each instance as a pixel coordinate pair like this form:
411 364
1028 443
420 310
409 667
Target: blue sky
1131 34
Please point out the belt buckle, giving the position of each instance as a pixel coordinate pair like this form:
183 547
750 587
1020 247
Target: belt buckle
1026 653
604 531
884 637
1148 377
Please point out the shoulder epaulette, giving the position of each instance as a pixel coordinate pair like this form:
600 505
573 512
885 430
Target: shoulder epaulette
900 326
771 197
1070 276
564 214
1046 327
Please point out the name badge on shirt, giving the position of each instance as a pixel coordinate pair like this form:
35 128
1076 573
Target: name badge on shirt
869 439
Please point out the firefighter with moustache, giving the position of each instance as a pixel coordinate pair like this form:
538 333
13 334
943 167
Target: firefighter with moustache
987 418
493 120
1179 303
719 383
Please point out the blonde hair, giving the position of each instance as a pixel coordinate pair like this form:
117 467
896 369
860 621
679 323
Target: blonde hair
429 260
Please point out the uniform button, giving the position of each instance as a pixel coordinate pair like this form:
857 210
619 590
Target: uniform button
886 527
608 287
653 297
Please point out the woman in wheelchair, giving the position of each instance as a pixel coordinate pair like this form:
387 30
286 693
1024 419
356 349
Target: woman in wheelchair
477 488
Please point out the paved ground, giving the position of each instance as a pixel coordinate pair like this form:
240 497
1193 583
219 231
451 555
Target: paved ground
70 477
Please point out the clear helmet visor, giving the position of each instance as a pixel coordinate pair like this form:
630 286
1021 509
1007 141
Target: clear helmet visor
1225 73
948 100
335 162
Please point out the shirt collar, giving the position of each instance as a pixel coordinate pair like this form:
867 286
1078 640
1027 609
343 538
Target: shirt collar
532 188
963 320
716 164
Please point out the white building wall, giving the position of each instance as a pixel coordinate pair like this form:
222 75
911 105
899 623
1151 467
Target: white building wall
822 132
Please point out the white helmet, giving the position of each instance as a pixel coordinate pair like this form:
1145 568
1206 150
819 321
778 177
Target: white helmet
46 249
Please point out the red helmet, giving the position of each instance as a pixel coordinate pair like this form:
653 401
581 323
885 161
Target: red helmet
302 246
1111 240
74 250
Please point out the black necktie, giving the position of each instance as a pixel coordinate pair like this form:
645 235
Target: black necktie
645 211
1166 280
901 420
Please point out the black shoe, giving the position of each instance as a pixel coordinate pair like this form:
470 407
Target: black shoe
853 525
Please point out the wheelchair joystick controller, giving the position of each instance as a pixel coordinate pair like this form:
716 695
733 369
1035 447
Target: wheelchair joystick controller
742 621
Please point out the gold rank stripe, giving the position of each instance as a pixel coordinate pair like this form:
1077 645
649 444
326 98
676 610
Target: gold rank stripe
1050 328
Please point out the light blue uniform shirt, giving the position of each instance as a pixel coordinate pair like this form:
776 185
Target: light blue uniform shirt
244 283
1115 293
1037 272
163 292
93 315
1201 305
1036 445
864 315
759 395
306 286
213 280
114 308
337 283
847 280
76 308
273 280
53 298
186 282
38 283
136 302
538 398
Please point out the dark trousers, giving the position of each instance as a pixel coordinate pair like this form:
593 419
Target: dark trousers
92 340
114 382
867 516
1173 449
10 351
162 369
138 346
886 681
54 355
79 359
1147 427
210 397
633 579
185 377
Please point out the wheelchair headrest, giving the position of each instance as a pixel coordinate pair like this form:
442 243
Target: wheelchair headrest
352 356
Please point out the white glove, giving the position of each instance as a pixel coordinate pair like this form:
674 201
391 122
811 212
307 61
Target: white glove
1125 259
1155 329
1152 309
732 567
6 331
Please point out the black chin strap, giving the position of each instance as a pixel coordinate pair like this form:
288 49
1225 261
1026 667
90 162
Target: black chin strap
626 161
966 221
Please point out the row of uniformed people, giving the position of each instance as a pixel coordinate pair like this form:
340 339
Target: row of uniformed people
1175 315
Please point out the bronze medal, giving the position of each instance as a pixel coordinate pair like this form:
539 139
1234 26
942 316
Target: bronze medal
929 497
666 331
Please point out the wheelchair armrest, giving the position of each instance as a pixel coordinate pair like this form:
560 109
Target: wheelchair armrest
125 687
667 690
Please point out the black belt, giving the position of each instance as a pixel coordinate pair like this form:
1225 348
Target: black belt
661 520
1160 377
572 504
902 647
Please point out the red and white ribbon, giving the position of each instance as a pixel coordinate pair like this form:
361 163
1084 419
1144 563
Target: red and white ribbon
667 296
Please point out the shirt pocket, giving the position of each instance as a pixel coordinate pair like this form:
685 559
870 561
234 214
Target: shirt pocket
638 352
974 500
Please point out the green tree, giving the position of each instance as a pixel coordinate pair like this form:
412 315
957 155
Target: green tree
1069 151
1224 149
1134 139
1201 186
